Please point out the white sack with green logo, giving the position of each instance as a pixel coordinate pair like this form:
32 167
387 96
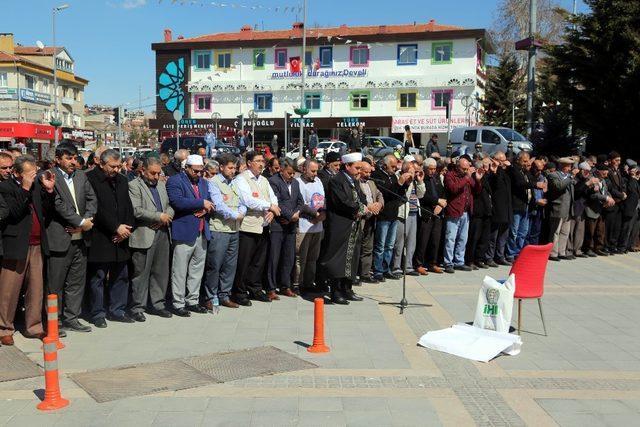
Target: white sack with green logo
495 304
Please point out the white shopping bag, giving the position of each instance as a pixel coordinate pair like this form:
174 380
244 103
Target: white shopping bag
495 304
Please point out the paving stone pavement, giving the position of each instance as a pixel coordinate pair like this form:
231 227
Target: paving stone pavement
586 372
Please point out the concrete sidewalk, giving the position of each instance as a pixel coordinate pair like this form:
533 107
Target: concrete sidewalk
586 372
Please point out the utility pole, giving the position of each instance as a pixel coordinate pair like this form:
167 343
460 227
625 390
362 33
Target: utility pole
303 72
570 128
531 66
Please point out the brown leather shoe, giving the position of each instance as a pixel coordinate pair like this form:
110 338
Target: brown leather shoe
208 305
6 340
288 293
272 295
423 271
435 269
229 304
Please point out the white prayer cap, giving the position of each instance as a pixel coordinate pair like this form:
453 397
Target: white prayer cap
565 160
194 160
584 166
351 158
409 158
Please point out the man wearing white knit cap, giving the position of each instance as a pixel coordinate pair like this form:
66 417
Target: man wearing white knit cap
340 253
189 197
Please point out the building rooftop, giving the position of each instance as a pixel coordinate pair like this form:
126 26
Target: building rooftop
34 50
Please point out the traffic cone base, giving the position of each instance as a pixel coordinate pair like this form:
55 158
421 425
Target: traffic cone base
52 397
51 405
318 328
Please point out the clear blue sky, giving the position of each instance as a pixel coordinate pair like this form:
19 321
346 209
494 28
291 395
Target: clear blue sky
110 40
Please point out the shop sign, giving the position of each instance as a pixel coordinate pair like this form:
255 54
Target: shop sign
295 122
7 93
425 124
29 95
349 122
258 123
26 130
87 135
320 74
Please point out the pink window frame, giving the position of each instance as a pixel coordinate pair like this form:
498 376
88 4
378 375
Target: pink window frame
275 58
351 64
433 98
196 98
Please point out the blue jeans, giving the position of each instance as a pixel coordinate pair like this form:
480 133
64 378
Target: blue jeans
211 146
535 228
385 239
455 240
517 233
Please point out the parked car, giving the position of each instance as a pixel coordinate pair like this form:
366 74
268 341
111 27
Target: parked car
330 145
193 143
380 146
464 139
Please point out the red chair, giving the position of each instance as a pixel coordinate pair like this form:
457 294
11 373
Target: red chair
529 268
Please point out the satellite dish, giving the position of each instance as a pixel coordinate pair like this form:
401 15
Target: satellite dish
40 45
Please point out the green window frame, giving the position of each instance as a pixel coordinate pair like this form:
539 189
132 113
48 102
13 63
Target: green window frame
361 97
441 53
259 59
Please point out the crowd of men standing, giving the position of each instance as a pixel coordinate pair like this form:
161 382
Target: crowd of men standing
117 240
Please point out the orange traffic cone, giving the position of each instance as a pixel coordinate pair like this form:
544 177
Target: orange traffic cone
52 320
318 328
52 399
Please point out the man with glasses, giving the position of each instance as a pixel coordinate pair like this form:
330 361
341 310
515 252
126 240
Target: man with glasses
262 207
189 197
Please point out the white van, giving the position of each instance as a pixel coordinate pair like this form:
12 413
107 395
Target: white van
493 139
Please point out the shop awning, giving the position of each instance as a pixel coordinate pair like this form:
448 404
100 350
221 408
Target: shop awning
27 130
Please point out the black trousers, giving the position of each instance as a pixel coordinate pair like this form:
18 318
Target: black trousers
478 240
67 277
252 254
282 259
625 241
428 245
613 227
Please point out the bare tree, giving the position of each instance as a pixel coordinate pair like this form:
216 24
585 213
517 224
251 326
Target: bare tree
511 23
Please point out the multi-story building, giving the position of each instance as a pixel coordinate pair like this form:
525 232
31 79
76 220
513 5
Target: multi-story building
382 77
27 97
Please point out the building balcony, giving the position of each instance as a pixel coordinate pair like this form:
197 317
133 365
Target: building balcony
292 83
67 101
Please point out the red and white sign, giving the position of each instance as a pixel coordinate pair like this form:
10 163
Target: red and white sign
426 124
27 130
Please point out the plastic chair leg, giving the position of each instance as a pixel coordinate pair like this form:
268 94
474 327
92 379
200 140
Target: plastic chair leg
542 316
519 314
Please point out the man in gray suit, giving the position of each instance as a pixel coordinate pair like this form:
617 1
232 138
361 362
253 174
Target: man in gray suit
149 241
560 197
75 206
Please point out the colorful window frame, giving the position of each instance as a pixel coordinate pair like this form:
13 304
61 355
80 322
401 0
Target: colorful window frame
321 54
276 64
414 48
263 102
196 103
259 53
196 60
358 50
310 99
226 55
435 52
361 95
308 59
441 92
407 94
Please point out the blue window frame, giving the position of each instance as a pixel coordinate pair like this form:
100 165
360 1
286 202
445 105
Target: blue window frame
326 57
263 102
407 54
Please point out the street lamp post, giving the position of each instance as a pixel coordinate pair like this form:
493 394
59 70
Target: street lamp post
531 66
56 120
177 116
215 117
253 116
303 72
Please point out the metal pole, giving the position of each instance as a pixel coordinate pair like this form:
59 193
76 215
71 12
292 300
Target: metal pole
531 67
120 130
177 135
253 134
513 114
303 71
286 134
55 79
570 127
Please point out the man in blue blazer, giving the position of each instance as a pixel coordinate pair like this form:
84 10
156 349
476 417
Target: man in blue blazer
189 197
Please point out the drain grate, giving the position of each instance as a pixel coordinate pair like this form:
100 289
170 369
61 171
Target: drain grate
15 365
105 385
254 362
